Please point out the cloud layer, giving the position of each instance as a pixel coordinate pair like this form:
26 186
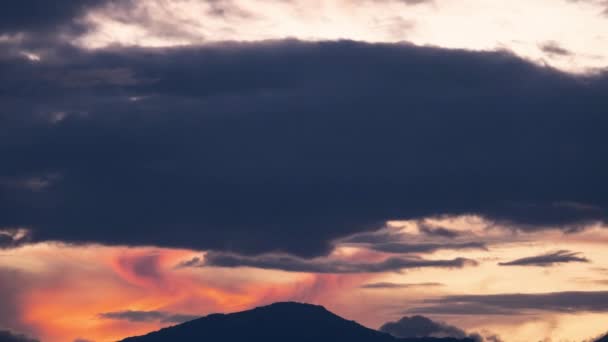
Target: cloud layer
287 145
322 265
510 304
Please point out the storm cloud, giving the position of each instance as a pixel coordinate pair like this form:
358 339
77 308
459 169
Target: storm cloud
286 146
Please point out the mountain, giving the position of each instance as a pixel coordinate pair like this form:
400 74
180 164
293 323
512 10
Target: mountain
279 322
603 339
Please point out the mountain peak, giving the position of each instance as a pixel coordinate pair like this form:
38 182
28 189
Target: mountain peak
283 321
292 306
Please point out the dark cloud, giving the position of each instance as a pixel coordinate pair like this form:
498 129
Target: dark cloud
38 16
8 336
12 237
420 326
510 304
554 49
391 242
6 240
321 265
385 285
438 231
148 316
547 259
286 146
374 237
400 247
226 8
194 262
142 266
431 238
460 309
493 338
603 338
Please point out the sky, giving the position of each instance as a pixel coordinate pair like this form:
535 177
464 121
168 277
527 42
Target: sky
164 160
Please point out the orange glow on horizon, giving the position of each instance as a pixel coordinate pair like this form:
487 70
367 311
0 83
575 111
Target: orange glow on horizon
63 289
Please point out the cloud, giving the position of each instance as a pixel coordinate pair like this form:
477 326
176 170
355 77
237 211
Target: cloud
374 237
437 231
553 49
13 237
420 326
147 316
547 259
6 240
399 247
8 336
512 304
603 338
38 16
286 146
493 338
404 243
321 265
385 285
461 309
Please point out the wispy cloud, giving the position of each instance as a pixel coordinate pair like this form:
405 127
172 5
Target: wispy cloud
553 49
404 248
518 303
438 231
386 285
321 265
548 259
148 316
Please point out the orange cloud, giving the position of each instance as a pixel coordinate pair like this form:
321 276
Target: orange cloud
80 282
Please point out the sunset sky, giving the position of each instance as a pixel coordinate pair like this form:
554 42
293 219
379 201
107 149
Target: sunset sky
163 160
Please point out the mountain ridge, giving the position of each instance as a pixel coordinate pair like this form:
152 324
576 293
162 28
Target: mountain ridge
284 321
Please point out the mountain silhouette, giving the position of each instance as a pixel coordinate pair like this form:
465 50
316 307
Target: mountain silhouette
603 339
279 322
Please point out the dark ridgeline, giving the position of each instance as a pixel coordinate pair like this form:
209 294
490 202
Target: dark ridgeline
603 339
284 322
